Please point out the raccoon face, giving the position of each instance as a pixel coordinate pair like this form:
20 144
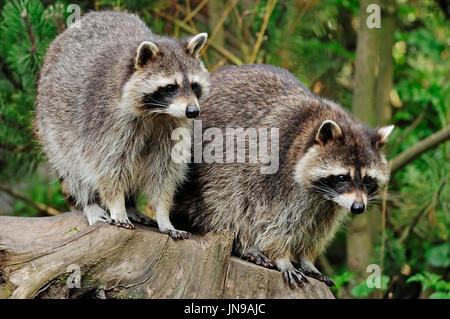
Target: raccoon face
345 164
169 78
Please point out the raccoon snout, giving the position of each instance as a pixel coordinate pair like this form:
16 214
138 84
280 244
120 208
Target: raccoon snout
358 208
192 111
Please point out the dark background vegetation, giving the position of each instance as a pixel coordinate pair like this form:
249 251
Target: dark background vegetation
397 74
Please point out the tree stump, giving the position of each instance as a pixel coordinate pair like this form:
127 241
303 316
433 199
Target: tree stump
64 257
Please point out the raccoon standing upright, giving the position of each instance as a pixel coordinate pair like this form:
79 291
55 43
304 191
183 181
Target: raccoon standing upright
110 94
329 164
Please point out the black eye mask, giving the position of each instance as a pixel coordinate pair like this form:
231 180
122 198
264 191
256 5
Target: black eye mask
339 184
197 89
370 185
333 185
161 98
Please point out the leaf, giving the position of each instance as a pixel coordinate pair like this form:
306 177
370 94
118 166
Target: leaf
342 279
361 290
440 295
416 278
439 256
384 282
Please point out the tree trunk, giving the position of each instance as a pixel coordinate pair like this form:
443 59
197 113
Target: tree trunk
366 66
359 234
47 257
383 111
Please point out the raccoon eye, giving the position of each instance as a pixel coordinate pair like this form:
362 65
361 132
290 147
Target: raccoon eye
171 88
342 178
370 184
196 88
368 180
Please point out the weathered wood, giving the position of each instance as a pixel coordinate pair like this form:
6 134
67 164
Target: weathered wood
38 257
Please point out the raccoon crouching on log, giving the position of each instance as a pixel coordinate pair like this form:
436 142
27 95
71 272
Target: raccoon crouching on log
328 164
110 94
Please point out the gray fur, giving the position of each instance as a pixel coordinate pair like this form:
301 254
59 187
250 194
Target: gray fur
279 215
90 119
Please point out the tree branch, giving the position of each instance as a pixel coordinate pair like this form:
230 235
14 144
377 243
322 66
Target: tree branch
29 27
219 24
410 128
192 14
412 153
269 10
411 227
230 56
39 206
8 74
46 257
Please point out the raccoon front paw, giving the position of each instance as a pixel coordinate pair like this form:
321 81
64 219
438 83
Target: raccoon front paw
259 259
123 223
178 234
320 277
294 277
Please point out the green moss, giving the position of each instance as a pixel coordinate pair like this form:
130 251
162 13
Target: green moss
62 279
88 282
122 295
6 290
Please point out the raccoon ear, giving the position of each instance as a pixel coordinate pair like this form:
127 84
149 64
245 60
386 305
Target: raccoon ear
382 135
195 44
329 130
145 52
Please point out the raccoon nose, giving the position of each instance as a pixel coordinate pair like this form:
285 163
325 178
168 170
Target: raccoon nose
192 111
358 208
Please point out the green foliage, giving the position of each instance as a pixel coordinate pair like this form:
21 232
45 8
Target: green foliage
433 281
439 256
25 34
363 290
40 189
341 280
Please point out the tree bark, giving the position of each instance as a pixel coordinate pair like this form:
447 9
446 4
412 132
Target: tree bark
385 79
359 235
43 257
366 67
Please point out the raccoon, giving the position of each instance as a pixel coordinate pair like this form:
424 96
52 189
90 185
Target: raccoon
329 164
109 96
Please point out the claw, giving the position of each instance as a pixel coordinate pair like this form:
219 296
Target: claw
122 224
294 277
285 277
320 277
179 234
258 259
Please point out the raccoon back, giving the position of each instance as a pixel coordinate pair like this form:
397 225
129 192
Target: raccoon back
86 67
